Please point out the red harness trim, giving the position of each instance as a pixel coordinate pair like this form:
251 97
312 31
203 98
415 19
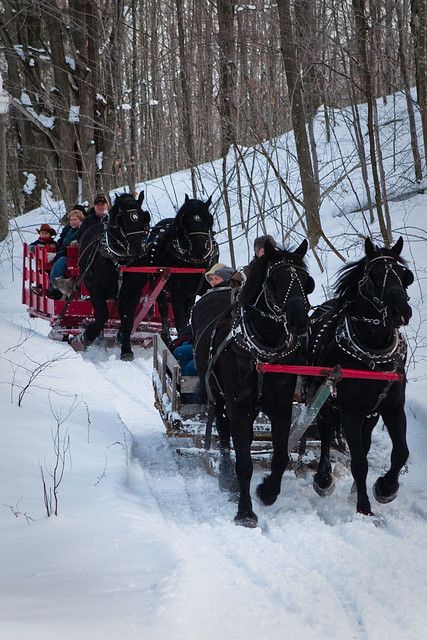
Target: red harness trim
326 371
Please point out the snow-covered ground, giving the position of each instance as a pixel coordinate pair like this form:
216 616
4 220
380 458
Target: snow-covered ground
144 545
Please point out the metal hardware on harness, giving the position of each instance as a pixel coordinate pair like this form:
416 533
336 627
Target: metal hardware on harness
395 354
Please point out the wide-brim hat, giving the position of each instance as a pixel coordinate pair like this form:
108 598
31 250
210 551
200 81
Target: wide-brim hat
48 228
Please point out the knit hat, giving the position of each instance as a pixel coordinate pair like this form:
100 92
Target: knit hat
221 270
46 227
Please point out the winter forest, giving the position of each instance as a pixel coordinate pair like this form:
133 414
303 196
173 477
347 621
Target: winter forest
112 93
303 119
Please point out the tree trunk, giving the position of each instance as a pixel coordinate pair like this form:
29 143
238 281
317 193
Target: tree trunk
187 116
361 41
226 40
407 88
293 77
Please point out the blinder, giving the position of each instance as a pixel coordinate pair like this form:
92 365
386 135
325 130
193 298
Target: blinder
407 278
309 285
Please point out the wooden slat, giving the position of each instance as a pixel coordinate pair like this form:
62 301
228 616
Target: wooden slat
190 384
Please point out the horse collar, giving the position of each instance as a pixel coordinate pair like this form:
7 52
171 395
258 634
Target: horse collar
394 354
246 340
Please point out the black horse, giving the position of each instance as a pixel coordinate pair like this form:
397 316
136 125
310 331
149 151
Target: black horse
359 329
264 324
184 241
103 249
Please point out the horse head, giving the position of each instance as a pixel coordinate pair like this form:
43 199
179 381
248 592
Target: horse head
194 230
278 284
385 281
377 284
128 224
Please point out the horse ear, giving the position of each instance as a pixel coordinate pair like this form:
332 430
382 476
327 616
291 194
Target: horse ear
141 198
302 249
369 247
186 198
397 249
209 201
269 249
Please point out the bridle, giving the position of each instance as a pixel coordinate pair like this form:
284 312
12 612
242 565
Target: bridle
346 336
186 255
244 334
277 311
115 241
366 289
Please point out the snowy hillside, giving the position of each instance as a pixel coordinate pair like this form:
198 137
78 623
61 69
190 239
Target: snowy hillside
144 545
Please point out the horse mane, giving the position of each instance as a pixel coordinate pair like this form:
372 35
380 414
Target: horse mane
346 285
257 270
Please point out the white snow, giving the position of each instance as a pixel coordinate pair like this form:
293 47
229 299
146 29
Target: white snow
71 62
46 121
30 183
74 113
144 545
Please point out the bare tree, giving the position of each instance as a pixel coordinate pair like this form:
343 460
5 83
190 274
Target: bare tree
293 76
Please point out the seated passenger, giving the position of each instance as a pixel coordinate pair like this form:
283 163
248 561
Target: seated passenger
46 235
68 238
184 355
182 349
259 244
96 214
219 275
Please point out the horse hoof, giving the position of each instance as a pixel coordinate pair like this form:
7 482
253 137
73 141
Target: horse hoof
127 357
249 520
365 511
266 496
381 497
324 491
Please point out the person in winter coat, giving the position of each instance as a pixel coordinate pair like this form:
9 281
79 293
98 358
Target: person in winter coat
69 233
219 275
95 214
67 238
46 235
260 242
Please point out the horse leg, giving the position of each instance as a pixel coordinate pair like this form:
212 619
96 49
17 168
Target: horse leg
227 475
353 430
368 427
100 308
280 419
386 487
128 301
242 433
323 479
